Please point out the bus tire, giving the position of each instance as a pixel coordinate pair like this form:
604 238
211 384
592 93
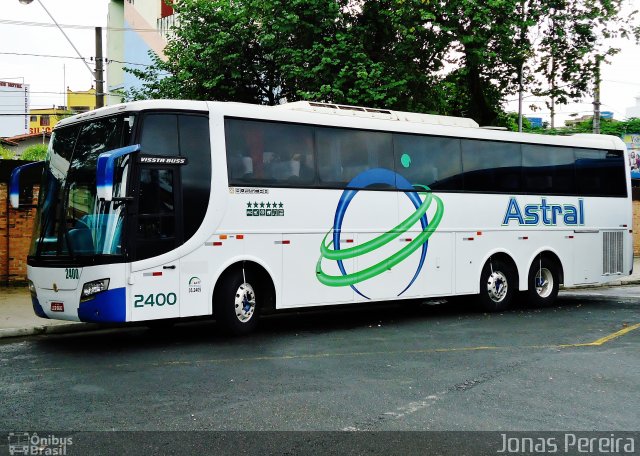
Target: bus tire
497 285
543 283
236 302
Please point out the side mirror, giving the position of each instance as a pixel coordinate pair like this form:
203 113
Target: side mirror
14 183
105 170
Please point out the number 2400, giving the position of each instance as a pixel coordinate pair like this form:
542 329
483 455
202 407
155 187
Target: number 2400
159 299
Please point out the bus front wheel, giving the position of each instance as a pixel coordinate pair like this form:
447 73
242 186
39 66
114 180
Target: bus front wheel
543 283
497 285
237 302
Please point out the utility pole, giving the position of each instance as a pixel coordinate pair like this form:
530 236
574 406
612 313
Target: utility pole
523 35
596 98
99 70
520 97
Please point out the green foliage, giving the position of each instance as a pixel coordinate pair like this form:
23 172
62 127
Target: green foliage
37 152
607 127
458 57
6 154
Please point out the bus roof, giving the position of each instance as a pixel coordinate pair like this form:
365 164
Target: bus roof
328 114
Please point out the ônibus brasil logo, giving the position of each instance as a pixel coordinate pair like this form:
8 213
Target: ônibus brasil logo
331 250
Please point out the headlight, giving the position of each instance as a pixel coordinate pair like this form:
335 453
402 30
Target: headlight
91 288
32 289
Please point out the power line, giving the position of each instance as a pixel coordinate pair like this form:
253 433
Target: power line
22 114
90 59
42 55
74 26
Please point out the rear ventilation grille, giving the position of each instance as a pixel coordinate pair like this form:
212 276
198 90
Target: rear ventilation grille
612 252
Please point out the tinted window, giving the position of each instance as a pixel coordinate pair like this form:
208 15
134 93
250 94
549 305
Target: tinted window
96 137
548 170
156 229
600 172
187 185
491 166
160 135
431 161
196 174
63 141
269 153
343 154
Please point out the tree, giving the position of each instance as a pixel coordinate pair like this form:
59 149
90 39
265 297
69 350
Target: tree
37 152
486 40
241 50
571 34
6 154
460 57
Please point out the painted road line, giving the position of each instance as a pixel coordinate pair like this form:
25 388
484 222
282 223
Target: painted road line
615 335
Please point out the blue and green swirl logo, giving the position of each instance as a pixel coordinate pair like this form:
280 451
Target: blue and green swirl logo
330 246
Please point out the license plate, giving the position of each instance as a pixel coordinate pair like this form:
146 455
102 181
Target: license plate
57 307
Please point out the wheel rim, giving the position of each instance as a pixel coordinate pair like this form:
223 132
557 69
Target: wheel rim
544 282
245 302
497 286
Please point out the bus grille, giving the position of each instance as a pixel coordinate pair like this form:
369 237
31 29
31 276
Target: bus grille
612 252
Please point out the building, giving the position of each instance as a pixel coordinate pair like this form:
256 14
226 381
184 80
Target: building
634 111
18 144
81 101
605 115
133 29
14 106
44 119
536 122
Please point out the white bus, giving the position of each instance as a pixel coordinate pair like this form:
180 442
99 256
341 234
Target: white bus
169 209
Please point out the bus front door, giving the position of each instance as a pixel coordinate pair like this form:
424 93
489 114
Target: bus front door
157 226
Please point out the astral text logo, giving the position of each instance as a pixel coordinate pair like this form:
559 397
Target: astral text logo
546 213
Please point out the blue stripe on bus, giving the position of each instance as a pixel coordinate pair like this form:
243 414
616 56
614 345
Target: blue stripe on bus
37 308
106 307
105 167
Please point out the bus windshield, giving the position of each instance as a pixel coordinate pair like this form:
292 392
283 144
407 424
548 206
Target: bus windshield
71 221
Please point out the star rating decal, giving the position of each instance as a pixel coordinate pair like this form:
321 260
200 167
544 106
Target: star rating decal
262 209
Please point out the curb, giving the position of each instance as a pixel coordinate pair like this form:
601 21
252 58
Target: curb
615 283
48 329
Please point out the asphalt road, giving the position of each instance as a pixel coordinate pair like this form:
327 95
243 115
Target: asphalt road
409 366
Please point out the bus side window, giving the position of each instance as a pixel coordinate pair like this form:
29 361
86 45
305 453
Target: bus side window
268 153
428 160
343 154
491 166
160 135
600 172
195 176
547 169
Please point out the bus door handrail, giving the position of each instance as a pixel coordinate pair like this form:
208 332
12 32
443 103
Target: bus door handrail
105 170
14 183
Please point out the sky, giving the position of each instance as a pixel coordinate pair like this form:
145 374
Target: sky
48 76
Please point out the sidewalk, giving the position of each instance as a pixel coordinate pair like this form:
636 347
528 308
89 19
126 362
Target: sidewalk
17 317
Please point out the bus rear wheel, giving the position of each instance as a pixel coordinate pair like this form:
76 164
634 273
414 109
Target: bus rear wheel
543 283
497 285
236 302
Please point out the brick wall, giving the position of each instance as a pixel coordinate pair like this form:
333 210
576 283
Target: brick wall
13 262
